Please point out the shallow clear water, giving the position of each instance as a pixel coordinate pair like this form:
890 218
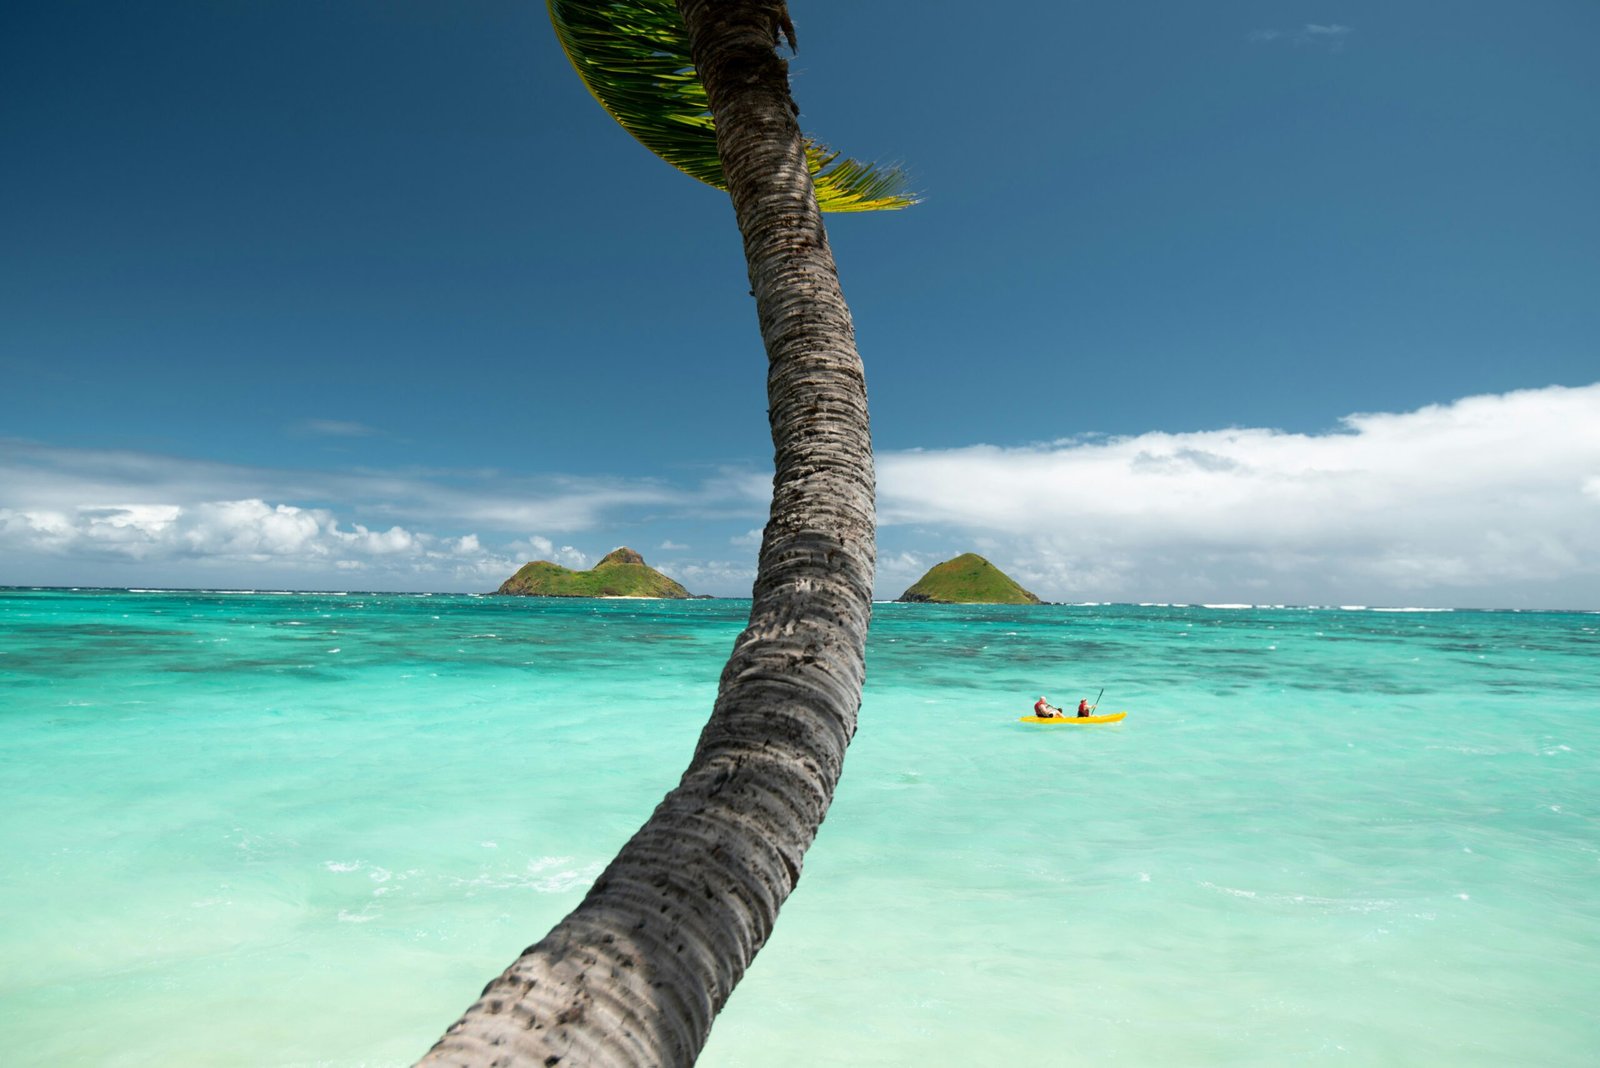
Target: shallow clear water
258 829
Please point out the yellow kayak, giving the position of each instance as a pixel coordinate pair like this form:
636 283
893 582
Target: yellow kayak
1109 717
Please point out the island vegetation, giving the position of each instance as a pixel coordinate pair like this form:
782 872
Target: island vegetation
622 573
968 579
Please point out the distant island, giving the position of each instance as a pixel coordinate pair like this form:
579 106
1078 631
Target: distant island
623 573
968 579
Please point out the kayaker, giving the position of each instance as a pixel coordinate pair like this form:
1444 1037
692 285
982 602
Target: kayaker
1085 709
1045 710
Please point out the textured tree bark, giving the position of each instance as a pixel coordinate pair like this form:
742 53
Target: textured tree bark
637 972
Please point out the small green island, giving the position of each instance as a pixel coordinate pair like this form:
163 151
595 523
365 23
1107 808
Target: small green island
622 573
968 579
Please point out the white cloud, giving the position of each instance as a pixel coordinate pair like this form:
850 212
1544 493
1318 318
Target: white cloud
898 570
1331 34
247 530
1479 501
37 477
243 542
82 516
331 428
1487 491
728 578
541 548
128 529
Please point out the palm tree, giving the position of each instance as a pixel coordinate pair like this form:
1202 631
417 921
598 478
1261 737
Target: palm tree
637 972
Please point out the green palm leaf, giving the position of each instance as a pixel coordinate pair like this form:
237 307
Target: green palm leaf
634 57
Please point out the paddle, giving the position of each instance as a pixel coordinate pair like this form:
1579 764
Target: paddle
1097 697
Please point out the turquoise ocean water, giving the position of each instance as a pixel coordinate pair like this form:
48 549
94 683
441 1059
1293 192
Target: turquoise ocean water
295 829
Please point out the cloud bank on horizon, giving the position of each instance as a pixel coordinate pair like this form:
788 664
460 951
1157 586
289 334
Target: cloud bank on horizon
1490 500
1488 492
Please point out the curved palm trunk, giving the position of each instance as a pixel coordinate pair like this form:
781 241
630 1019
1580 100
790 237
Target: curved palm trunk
636 973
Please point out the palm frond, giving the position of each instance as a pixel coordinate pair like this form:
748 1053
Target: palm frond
633 55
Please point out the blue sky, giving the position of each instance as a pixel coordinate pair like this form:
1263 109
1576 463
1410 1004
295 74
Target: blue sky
1236 302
